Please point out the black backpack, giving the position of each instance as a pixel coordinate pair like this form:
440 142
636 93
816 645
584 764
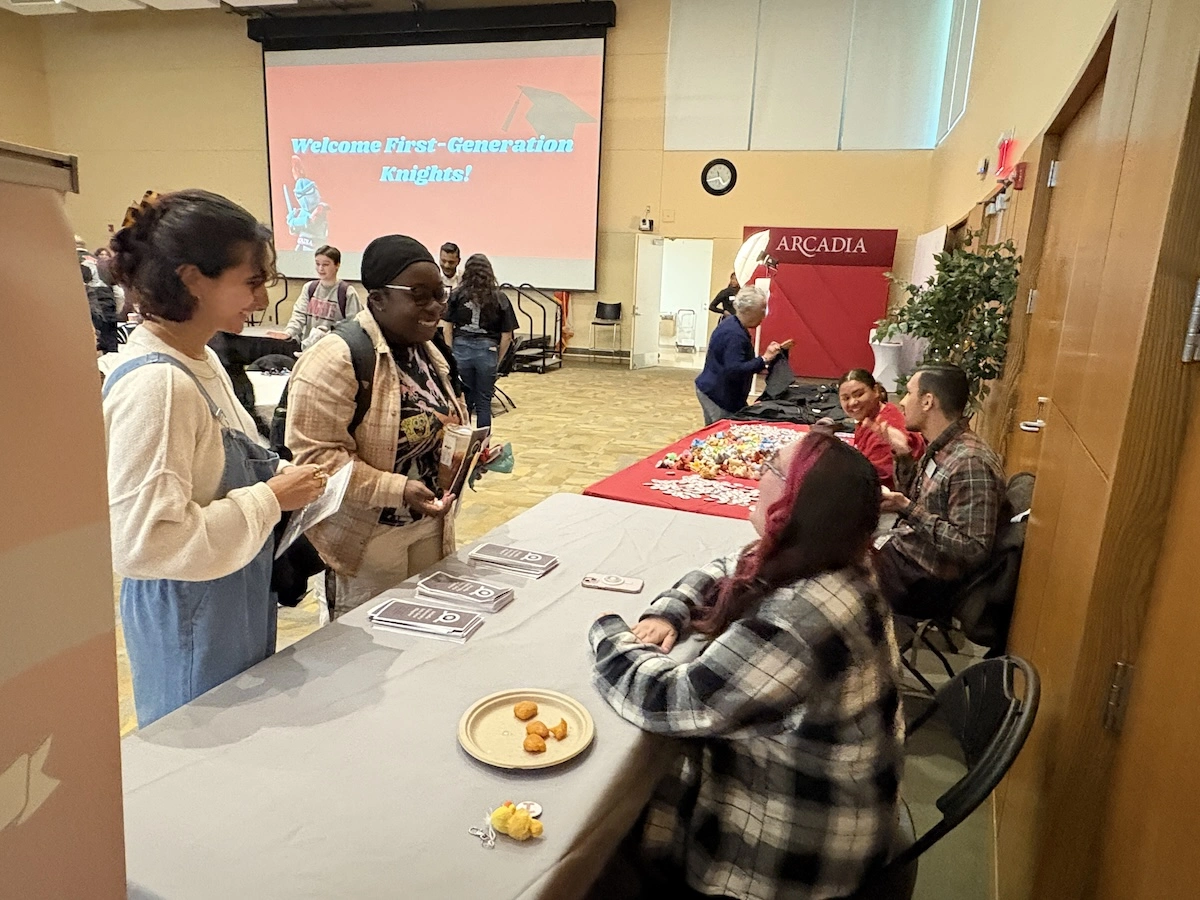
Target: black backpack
985 602
362 356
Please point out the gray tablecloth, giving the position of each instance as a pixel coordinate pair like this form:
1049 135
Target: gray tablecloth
332 769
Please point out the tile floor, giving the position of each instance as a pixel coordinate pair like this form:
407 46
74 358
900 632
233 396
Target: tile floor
572 427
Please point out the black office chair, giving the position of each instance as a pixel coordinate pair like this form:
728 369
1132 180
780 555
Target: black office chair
981 709
608 315
983 605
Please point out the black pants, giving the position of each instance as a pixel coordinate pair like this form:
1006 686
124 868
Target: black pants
909 589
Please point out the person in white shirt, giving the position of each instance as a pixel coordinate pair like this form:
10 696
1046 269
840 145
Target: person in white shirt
194 494
448 259
322 303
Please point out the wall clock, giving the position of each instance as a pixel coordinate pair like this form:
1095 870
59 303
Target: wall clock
719 177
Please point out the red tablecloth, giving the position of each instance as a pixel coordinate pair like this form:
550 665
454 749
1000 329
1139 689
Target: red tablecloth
630 484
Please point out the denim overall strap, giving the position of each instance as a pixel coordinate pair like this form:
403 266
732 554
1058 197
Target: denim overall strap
149 359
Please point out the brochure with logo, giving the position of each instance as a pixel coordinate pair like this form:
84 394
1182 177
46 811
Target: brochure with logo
527 562
471 594
439 622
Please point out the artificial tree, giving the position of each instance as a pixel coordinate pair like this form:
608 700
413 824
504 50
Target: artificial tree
962 311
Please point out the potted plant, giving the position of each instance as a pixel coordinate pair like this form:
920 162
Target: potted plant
962 311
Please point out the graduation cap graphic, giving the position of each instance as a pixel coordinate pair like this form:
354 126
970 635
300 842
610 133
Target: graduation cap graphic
549 113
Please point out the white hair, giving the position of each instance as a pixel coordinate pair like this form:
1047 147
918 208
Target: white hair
748 298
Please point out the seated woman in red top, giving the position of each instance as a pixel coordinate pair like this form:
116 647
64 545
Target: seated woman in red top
865 401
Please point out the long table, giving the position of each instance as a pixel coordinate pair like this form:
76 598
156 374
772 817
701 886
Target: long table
332 769
631 484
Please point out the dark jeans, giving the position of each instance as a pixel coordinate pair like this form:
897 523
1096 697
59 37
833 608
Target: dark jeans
909 589
478 357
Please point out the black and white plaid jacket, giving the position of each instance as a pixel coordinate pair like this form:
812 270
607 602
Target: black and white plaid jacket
791 789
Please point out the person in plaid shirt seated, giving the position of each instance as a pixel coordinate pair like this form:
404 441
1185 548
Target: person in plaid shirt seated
789 785
949 503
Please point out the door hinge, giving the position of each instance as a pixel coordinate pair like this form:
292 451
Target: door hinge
1052 178
1191 337
1032 303
1118 696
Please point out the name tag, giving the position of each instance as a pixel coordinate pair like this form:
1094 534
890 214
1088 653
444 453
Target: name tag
930 468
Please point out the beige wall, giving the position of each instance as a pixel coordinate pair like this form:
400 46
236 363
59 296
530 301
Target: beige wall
182 105
24 101
806 189
1027 54
161 100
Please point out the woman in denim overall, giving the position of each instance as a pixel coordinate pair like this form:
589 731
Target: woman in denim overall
186 637
196 602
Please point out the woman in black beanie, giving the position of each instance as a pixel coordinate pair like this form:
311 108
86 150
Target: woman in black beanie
392 522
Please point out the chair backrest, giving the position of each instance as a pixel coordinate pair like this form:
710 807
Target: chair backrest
983 606
608 312
989 720
505 366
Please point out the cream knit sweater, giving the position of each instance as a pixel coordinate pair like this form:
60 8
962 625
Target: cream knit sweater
165 459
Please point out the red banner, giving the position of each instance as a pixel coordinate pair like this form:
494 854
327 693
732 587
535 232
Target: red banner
830 246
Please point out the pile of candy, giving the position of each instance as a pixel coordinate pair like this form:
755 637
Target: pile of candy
693 487
738 451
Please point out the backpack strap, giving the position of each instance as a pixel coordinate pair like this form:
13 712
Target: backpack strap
343 296
308 290
363 358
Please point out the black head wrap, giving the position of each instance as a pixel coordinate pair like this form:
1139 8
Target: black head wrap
386 257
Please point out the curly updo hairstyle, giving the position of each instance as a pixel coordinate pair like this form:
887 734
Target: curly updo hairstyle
187 227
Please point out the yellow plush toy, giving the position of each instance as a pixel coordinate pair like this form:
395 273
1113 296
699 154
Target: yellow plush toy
516 823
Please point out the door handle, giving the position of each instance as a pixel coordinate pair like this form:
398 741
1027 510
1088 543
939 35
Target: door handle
1035 426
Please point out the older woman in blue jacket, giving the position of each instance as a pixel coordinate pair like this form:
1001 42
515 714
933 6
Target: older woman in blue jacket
731 363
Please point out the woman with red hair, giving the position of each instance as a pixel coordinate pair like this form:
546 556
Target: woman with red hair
789 784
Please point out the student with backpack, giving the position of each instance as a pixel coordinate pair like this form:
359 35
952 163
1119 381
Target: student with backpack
322 303
387 419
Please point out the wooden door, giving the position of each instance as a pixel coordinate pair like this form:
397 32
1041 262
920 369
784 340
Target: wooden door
1154 819
1116 423
1057 268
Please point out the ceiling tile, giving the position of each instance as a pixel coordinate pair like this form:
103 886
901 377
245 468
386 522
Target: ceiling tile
105 5
36 9
182 4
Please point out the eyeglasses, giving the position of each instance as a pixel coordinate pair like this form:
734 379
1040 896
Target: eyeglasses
769 465
422 296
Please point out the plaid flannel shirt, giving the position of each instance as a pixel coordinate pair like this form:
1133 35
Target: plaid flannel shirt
956 492
791 789
321 393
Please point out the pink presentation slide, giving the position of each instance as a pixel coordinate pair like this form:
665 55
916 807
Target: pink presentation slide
500 156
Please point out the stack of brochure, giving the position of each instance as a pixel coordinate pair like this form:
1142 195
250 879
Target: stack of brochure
523 562
463 592
438 622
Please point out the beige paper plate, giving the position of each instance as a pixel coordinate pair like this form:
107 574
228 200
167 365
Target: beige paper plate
492 734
